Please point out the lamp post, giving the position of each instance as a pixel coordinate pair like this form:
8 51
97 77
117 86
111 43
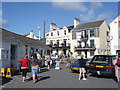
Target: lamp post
39 32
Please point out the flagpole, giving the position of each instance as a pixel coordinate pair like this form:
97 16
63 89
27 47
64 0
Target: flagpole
39 32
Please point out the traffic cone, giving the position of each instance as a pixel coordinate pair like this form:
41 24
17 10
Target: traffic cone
2 73
8 72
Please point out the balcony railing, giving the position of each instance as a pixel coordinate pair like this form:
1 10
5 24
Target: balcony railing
85 48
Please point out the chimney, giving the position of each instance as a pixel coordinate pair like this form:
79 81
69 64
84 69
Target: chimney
53 26
76 22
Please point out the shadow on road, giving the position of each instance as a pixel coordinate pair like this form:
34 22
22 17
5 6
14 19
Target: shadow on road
43 70
5 80
44 78
103 76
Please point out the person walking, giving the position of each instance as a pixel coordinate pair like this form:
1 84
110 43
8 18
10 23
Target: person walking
57 66
82 63
35 67
116 62
69 63
48 61
24 67
40 60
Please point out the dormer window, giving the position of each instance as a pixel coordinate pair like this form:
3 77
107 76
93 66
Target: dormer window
51 33
64 32
58 33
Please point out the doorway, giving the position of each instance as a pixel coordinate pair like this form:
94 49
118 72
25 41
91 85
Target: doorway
14 54
64 51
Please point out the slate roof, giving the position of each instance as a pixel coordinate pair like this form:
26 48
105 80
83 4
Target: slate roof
89 25
70 27
7 35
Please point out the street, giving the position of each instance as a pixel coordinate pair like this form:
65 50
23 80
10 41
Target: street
63 78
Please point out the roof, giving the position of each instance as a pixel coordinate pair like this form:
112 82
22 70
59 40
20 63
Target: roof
89 25
7 35
70 27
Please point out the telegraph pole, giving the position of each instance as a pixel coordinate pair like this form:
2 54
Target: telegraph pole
44 29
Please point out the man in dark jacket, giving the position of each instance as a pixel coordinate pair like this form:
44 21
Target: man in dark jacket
82 67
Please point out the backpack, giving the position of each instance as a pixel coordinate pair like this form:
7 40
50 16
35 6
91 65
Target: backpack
118 62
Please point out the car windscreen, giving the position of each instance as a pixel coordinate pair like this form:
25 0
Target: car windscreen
101 59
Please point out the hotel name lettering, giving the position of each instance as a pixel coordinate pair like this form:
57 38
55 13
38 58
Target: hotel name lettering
58 37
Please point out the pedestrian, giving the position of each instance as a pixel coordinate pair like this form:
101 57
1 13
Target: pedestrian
48 59
35 67
116 62
62 56
82 63
69 63
40 59
57 66
24 66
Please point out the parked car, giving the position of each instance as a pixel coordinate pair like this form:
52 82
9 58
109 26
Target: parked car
102 65
75 66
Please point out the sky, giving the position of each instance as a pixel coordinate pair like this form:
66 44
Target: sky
22 17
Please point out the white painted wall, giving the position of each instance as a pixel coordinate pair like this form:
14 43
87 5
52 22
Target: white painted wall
114 32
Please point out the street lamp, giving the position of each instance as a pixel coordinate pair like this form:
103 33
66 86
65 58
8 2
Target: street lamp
39 32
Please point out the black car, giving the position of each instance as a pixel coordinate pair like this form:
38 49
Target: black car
102 65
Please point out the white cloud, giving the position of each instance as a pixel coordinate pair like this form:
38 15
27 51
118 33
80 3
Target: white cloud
96 5
90 15
76 6
103 16
3 22
87 16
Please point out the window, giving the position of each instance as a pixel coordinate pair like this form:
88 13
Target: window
79 43
51 33
107 33
64 32
91 53
85 34
57 42
58 33
47 34
92 43
92 33
65 40
51 42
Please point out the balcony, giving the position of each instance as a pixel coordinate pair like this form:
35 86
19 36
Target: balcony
85 48
62 45
84 38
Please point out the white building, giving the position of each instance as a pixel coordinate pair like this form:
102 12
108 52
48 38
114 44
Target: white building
91 38
14 46
59 39
115 36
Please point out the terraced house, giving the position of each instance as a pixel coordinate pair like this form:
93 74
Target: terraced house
59 38
91 38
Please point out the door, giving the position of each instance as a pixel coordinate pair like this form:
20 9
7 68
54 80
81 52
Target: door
14 54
